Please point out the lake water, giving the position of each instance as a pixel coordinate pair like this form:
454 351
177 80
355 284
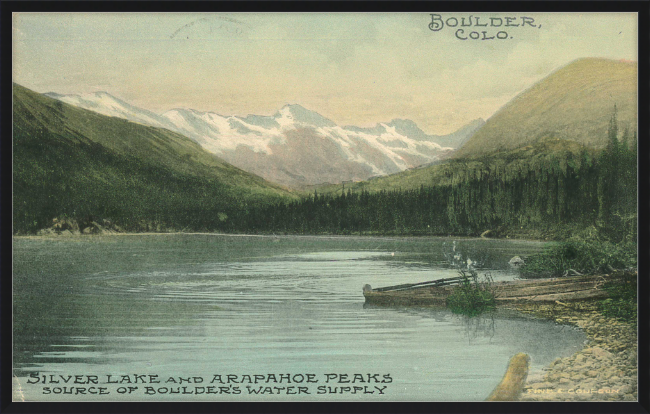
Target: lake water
208 305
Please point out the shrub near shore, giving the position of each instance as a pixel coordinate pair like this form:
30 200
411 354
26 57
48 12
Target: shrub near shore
622 301
593 257
587 257
472 297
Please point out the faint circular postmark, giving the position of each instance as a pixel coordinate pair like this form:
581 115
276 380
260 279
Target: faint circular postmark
211 27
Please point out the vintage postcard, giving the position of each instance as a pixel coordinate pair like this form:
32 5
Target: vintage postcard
324 207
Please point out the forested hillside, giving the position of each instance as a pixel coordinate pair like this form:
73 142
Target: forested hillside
76 165
552 189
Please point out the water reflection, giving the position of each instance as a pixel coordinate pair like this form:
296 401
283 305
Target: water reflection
479 327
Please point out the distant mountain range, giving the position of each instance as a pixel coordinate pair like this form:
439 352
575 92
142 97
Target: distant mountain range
575 103
300 148
295 147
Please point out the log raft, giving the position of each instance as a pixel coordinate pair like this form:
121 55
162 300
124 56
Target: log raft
435 293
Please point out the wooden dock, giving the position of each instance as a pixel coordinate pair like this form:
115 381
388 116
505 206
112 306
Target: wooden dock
435 292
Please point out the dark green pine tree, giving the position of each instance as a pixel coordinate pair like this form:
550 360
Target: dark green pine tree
609 174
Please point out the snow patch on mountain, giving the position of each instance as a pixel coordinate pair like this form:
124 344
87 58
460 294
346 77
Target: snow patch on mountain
106 104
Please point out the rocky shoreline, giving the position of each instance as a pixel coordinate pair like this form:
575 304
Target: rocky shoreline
604 370
95 226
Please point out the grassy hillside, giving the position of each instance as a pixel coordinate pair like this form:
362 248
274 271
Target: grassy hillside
574 103
70 162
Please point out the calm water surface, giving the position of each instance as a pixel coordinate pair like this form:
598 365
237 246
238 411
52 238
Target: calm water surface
205 305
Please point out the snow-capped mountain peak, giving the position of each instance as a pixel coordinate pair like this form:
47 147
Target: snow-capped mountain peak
300 115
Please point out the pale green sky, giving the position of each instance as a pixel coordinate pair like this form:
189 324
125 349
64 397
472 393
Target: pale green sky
353 68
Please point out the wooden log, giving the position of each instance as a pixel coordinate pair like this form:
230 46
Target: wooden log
510 387
547 290
516 284
448 283
563 296
542 289
406 300
415 285
552 281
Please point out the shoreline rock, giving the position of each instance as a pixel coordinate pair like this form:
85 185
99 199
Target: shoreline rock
604 370
70 227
